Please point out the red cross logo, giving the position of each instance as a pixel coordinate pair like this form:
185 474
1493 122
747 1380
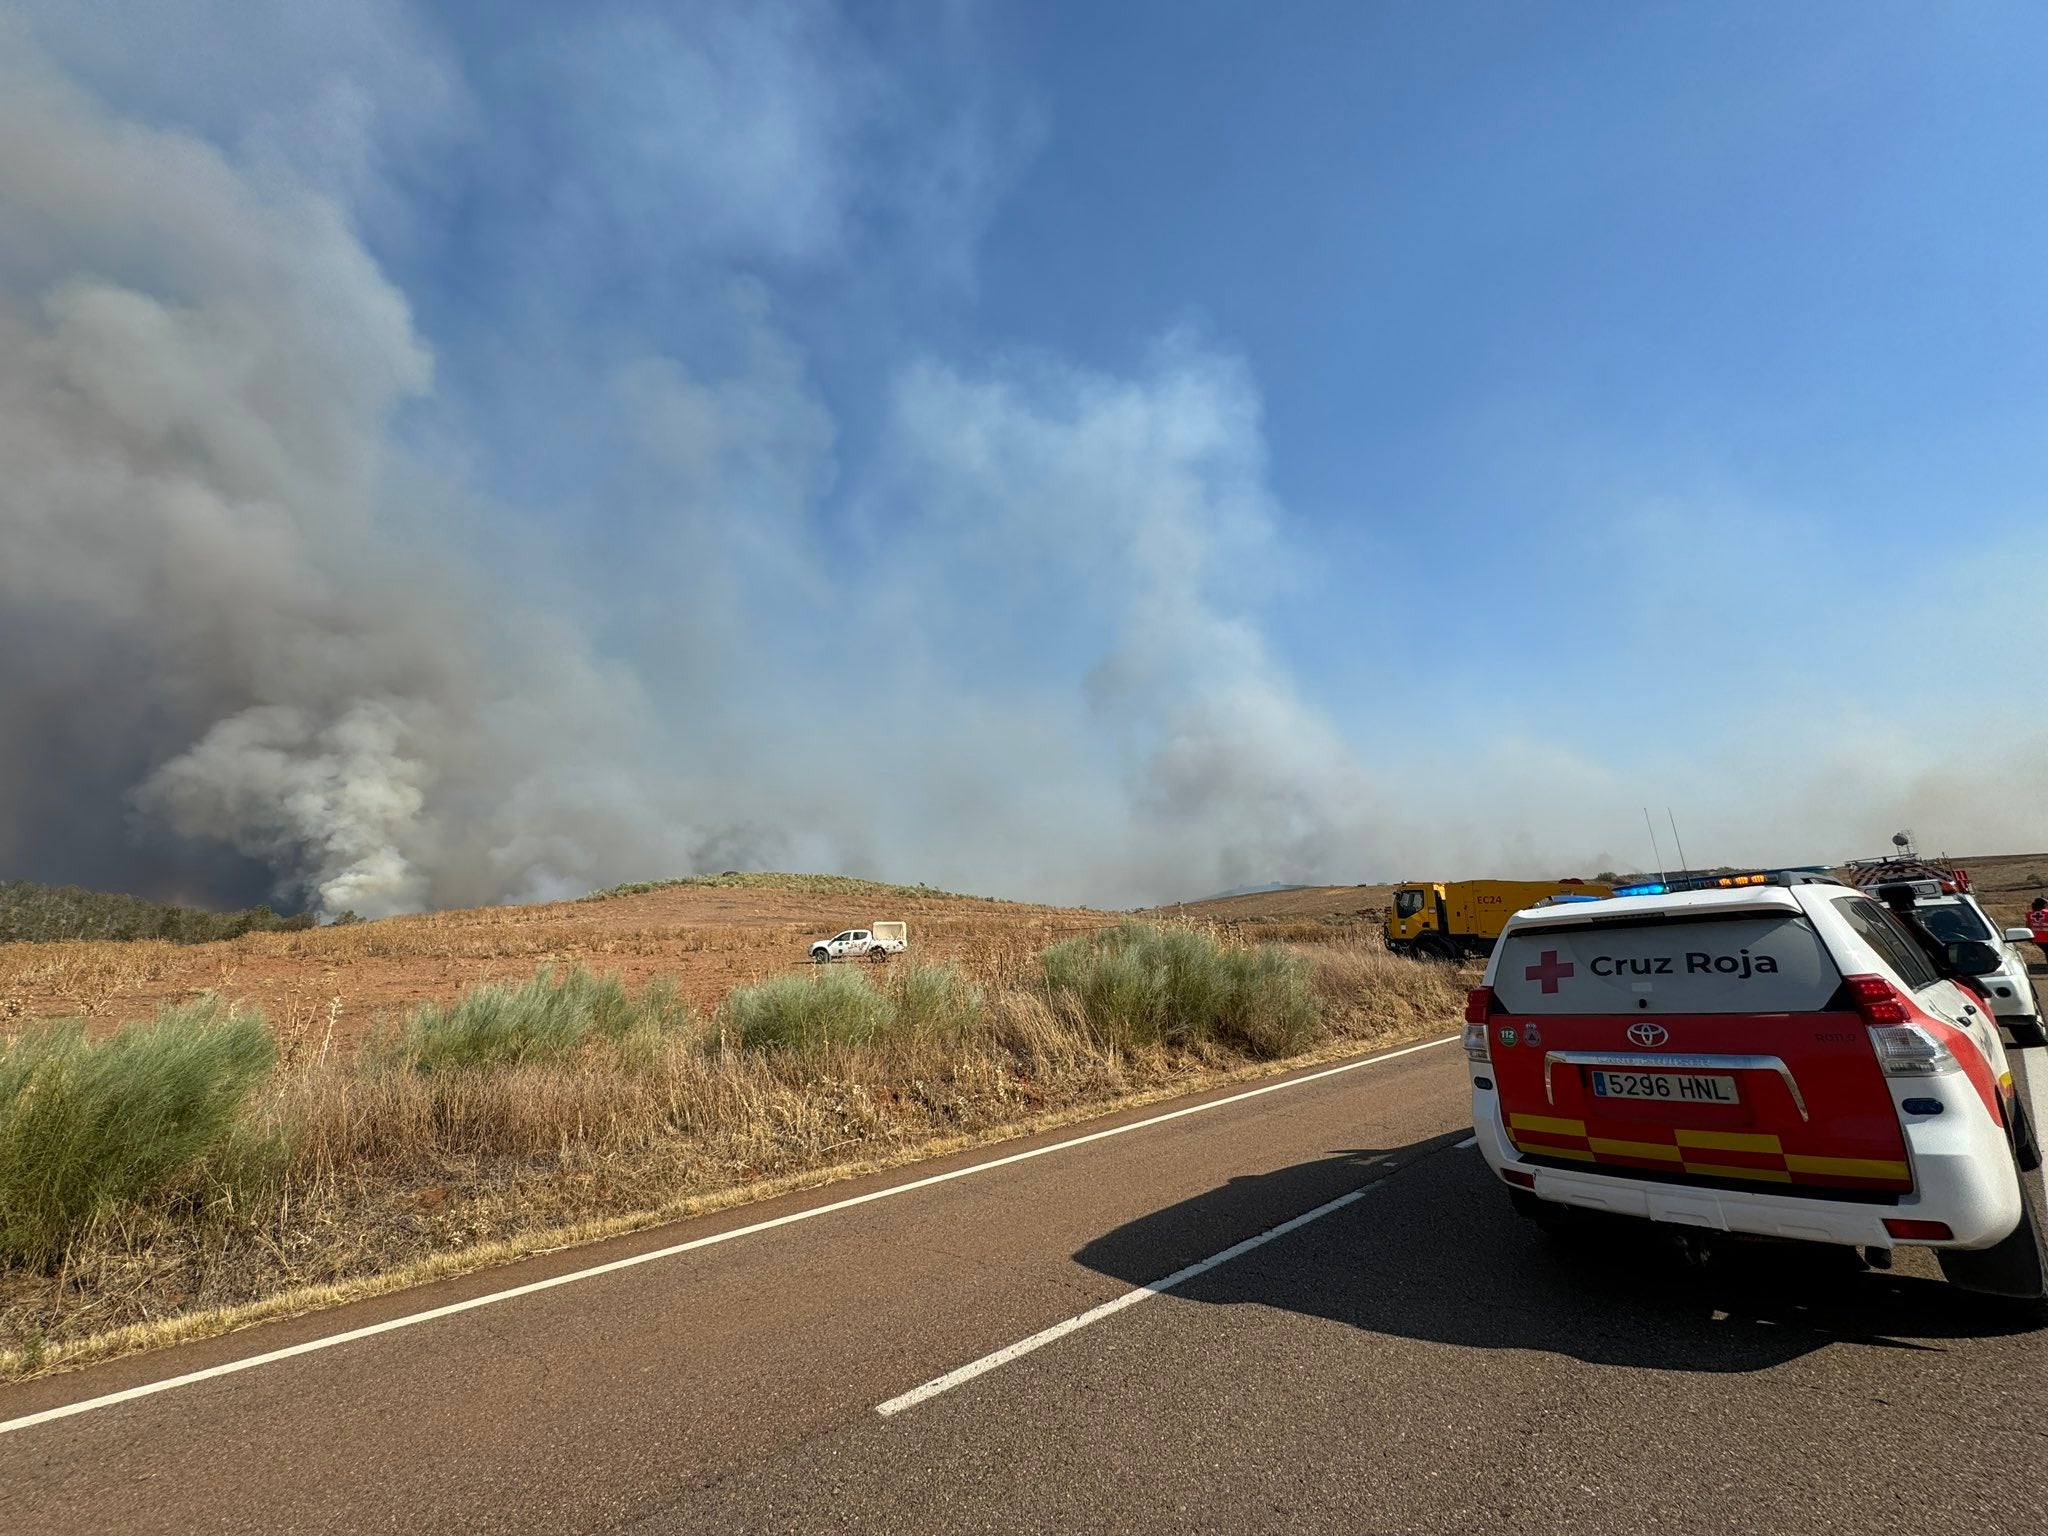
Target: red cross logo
1550 973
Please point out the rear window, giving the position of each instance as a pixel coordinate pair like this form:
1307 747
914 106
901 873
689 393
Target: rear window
1888 936
1952 923
1763 964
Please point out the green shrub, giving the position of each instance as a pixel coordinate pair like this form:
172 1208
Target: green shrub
88 1124
812 1009
551 1018
1139 985
806 1010
1118 994
934 1003
1268 1007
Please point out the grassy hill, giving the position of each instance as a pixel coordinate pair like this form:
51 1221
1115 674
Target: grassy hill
1292 903
766 880
32 913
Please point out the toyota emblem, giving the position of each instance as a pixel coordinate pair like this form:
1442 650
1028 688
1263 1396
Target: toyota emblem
1648 1034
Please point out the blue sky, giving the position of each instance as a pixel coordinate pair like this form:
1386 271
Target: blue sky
1079 451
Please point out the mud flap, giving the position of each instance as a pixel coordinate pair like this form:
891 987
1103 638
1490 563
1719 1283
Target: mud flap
2026 1139
1551 1216
2016 1267
1566 1224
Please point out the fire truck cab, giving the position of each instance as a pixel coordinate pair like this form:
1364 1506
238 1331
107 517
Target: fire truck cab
1775 1055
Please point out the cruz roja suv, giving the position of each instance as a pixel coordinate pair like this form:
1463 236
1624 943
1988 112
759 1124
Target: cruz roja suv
1777 1055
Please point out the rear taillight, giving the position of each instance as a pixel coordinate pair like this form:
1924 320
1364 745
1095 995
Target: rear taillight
1918 1231
1904 1049
1479 1007
1877 1000
1907 1050
1519 1176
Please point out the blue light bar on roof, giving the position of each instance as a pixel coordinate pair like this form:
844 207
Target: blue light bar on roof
1654 888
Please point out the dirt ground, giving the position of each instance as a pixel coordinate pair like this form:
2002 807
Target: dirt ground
330 985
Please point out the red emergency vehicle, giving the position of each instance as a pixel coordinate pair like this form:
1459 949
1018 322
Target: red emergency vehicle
1772 1054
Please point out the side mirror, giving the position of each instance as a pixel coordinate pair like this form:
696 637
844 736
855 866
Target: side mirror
1973 957
2019 935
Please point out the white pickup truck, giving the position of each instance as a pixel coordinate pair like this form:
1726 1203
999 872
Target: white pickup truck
877 942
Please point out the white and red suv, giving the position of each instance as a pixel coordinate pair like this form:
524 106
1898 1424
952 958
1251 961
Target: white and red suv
1950 916
1776 1056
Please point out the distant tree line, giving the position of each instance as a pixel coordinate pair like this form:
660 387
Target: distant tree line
32 912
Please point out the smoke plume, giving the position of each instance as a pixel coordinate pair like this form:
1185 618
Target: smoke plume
225 626
240 616
412 496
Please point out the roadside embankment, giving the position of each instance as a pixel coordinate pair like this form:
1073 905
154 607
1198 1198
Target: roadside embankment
186 1175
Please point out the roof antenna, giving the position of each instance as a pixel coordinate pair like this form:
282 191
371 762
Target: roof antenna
1659 852
1683 867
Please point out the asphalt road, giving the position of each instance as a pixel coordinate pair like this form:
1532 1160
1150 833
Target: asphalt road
1416 1359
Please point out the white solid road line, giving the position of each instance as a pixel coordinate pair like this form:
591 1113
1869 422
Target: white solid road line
1044 1336
1469 1141
190 1378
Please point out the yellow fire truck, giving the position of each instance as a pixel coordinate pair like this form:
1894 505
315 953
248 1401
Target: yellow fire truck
1449 919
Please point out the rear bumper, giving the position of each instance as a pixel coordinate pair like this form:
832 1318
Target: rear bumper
1963 1176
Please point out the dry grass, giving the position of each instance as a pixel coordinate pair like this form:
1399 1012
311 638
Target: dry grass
1367 992
382 1172
708 935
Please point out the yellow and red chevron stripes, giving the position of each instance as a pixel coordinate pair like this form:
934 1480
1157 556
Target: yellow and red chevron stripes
1748 1155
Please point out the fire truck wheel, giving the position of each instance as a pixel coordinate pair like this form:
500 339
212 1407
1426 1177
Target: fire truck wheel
878 954
1430 947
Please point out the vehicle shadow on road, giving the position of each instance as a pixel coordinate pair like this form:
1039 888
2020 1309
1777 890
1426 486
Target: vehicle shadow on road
1434 1252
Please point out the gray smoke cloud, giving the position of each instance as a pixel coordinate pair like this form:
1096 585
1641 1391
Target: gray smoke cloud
1140 505
226 624
241 618
264 631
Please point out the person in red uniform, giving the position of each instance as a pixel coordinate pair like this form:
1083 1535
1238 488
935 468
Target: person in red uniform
2037 921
